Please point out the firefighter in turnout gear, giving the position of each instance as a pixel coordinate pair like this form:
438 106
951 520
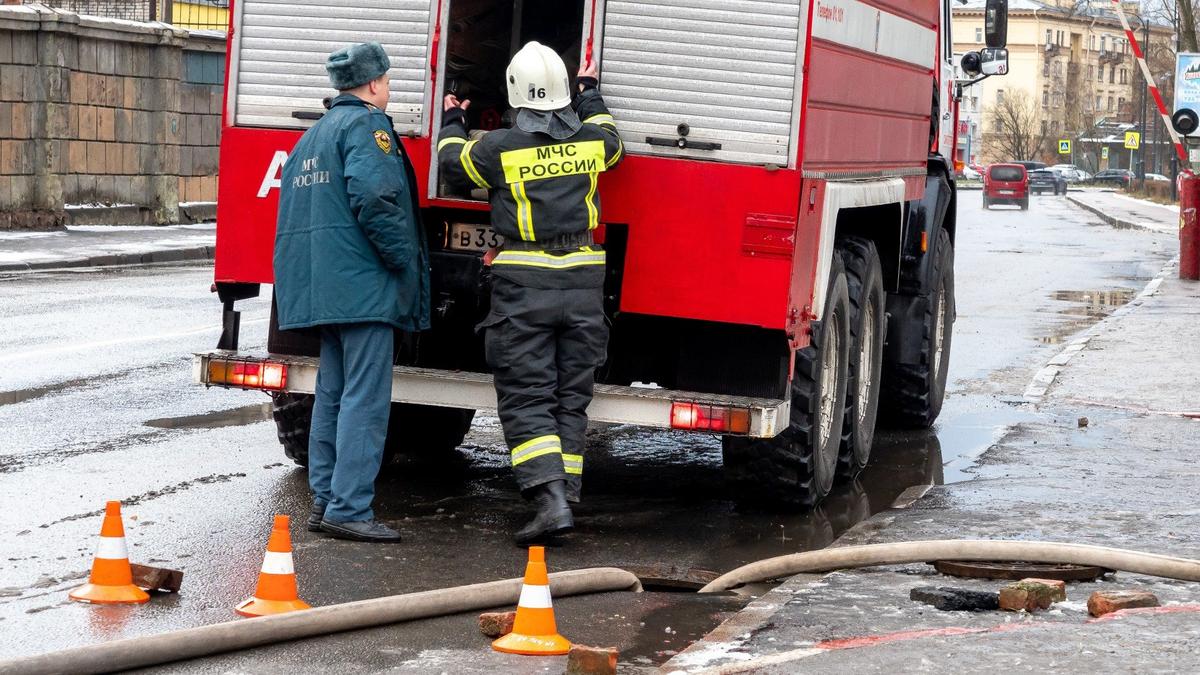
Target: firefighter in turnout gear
546 332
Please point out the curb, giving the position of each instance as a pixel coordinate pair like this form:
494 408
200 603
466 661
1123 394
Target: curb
151 257
1110 220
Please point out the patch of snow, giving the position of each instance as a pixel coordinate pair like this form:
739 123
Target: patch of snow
30 235
94 205
1147 202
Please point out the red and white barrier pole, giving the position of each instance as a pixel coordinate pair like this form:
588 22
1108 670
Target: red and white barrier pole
1158 99
1189 183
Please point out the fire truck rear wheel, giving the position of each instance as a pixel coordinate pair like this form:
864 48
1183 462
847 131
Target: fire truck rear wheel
425 431
914 391
796 469
416 430
293 415
864 279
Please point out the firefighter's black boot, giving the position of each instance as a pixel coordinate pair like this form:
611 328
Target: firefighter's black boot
553 513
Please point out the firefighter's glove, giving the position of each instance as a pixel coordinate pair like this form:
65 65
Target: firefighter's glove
453 115
586 83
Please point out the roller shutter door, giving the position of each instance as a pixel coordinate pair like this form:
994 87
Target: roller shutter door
725 68
283 46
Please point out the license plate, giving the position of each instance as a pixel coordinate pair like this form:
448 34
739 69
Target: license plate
471 237
1007 192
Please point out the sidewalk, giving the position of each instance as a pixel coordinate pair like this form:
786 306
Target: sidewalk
93 246
1122 211
1127 479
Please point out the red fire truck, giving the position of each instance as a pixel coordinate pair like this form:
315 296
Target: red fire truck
780 237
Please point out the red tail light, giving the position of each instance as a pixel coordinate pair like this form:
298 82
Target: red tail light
264 375
697 417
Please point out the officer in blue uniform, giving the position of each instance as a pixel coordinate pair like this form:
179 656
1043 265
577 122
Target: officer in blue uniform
351 260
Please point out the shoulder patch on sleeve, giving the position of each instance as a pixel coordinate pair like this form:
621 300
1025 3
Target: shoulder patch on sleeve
384 140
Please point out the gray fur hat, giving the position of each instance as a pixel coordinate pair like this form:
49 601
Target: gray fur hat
356 65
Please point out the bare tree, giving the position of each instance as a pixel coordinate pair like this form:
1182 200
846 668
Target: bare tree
1015 126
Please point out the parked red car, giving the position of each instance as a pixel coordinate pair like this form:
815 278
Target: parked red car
1006 184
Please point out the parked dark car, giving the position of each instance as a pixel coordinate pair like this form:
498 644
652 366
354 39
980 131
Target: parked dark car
1045 180
1006 184
1119 177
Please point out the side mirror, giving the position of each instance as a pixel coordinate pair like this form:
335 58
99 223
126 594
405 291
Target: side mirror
993 61
995 24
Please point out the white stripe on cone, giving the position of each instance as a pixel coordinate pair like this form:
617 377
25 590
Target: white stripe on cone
534 597
112 548
277 563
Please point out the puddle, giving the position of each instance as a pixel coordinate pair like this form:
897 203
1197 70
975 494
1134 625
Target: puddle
1090 307
22 395
215 420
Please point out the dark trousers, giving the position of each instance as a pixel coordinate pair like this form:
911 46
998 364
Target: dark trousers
350 418
543 346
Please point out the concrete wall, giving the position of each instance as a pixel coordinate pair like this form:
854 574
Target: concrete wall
96 110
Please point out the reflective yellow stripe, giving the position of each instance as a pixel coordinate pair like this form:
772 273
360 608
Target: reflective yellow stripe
601 118
534 448
528 213
524 211
453 140
469 166
552 161
585 256
593 212
616 155
573 464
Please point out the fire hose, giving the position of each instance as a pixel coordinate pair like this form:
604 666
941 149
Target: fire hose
233 635
902 553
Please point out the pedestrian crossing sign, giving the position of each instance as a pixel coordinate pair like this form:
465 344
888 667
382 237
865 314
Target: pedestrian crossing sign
1064 147
1132 140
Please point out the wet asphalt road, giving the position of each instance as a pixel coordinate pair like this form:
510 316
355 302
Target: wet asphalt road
96 404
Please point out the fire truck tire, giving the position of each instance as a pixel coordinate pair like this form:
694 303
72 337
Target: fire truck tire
293 415
417 430
914 392
864 282
426 431
1025 204
796 469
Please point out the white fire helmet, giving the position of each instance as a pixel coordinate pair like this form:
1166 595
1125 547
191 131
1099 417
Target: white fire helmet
537 79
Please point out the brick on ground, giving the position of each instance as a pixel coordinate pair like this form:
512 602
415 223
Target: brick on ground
584 660
496 624
156 578
1029 595
1107 602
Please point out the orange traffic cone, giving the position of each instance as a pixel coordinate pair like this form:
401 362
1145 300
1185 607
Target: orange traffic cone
534 632
111 582
276 592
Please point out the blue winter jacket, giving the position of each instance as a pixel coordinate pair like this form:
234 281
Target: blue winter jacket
349 246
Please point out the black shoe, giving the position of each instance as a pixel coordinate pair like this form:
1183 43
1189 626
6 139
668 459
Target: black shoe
553 516
315 516
361 530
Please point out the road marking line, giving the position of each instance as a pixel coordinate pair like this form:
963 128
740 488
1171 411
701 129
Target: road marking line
37 353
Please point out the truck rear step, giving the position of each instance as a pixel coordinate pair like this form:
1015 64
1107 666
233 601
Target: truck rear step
642 406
